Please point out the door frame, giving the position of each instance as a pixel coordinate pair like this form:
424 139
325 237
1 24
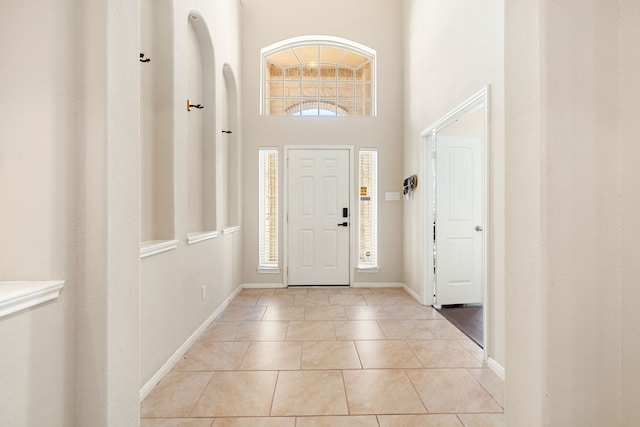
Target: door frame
480 99
352 218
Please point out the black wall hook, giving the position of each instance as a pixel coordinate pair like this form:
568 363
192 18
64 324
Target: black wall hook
226 131
143 59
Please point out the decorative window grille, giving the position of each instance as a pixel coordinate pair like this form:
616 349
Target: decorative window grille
268 208
368 209
318 76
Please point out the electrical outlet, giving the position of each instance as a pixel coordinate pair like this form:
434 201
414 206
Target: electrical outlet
203 292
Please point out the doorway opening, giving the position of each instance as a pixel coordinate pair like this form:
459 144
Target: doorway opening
455 216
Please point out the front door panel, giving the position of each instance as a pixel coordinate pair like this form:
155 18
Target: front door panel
318 189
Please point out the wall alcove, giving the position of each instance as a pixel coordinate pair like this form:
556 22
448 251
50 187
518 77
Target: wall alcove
156 127
201 135
230 151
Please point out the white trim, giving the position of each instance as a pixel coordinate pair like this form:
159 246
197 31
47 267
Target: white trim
266 270
412 293
200 236
315 39
177 356
153 247
480 99
18 296
230 230
368 270
352 203
496 368
262 286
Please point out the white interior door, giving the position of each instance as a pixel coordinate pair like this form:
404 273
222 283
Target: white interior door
318 234
459 234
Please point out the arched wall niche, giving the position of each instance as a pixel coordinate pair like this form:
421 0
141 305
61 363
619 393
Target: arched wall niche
201 125
156 122
230 141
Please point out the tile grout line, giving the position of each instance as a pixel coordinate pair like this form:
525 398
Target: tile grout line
483 387
346 395
273 394
213 373
416 391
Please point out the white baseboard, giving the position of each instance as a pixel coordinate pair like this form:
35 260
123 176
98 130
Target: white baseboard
353 285
262 285
496 368
376 285
412 293
175 358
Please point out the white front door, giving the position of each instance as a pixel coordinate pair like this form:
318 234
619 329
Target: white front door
459 234
318 231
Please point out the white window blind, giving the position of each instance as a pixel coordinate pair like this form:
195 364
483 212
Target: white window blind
268 208
368 209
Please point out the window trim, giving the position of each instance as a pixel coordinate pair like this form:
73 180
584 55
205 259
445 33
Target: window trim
325 40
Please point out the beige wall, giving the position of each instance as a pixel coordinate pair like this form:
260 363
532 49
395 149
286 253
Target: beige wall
629 90
571 248
524 362
71 196
376 24
37 199
69 176
108 221
452 50
171 306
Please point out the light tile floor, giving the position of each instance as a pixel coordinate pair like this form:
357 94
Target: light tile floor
328 357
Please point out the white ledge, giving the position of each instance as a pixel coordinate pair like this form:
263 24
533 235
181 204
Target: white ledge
153 247
200 236
268 270
16 296
230 230
368 269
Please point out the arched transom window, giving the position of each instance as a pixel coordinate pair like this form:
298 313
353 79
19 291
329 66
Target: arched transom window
318 76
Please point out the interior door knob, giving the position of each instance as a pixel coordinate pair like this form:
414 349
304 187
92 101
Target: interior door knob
478 228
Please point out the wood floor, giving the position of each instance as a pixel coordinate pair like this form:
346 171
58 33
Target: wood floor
467 318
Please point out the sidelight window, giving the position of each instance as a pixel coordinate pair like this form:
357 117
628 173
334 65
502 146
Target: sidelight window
368 210
268 208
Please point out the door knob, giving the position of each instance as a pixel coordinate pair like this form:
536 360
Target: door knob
344 224
478 228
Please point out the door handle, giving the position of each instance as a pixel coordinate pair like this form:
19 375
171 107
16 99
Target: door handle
344 224
478 228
